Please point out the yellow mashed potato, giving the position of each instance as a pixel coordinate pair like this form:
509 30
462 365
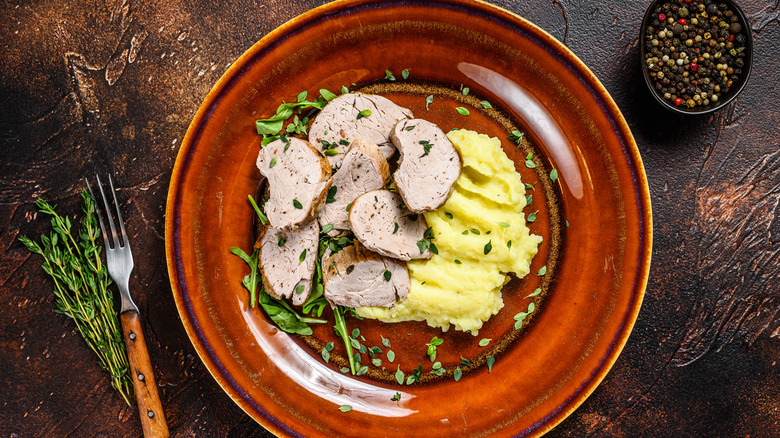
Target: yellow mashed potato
488 196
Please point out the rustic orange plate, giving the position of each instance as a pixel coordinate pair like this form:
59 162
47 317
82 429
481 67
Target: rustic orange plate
595 218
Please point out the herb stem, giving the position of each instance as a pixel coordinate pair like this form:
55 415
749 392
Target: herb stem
341 329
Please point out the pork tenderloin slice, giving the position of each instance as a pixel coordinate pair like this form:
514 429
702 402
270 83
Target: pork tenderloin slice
356 277
428 166
287 261
382 224
363 169
298 181
338 123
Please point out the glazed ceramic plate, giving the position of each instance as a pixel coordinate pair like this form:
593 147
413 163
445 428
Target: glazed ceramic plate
595 219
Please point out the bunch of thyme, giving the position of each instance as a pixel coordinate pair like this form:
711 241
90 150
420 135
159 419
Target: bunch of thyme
81 290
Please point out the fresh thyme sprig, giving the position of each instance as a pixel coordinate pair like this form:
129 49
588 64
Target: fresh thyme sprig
81 290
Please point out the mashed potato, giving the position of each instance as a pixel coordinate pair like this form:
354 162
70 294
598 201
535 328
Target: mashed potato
461 286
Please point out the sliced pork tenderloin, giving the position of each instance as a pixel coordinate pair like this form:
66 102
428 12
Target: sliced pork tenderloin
428 166
287 261
341 122
298 181
356 277
363 169
382 224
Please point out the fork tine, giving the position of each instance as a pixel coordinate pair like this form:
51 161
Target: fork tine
98 214
108 212
118 213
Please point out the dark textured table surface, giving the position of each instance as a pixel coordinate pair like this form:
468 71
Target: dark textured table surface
111 86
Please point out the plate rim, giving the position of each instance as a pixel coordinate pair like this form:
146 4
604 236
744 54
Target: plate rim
174 198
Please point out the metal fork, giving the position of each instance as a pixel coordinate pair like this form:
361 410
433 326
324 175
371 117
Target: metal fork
119 260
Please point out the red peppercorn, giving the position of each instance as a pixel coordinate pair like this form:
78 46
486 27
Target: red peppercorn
694 66
731 38
688 1
682 21
678 101
694 83
661 63
661 17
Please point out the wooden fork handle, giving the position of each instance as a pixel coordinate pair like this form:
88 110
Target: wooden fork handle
149 405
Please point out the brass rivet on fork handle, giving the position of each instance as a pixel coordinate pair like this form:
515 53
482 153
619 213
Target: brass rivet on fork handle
119 260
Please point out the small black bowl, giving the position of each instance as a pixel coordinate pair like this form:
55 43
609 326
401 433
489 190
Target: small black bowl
724 98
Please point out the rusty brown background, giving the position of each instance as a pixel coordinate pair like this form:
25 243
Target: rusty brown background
111 86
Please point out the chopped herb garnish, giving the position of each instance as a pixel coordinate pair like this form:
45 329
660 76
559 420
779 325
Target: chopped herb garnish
508 244
327 95
377 362
465 362
448 214
435 342
349 206
395 227
326 351
457 262
484 342
409 128
428 101
390 355
516 137
488 247
302 257
426 146
567 224
490 361
330 152
331 197
457 374
399 376
388 275
530 186
503 224
485 104
465 91
327 228
279 240
530 164
474 231
364 113
422 245
528 199
532 217
385 342
389 76
434 249
397 395
299 289
529 156
554 175
344 142
542 271
344 89
462 111
302 96
362 370
273 162
405 74
356 333
345 408
297 204
535 293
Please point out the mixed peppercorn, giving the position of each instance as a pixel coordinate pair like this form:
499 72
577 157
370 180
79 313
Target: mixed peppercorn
694 51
